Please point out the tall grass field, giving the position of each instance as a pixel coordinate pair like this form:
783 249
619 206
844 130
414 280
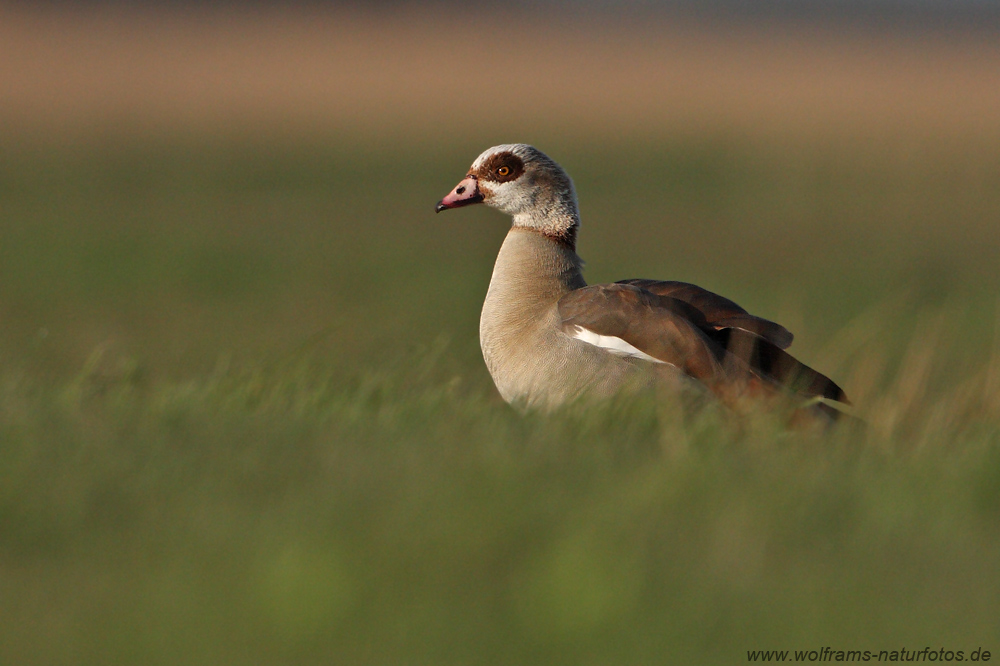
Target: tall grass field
244 418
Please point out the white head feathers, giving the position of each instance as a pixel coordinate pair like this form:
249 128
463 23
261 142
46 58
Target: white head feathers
523 182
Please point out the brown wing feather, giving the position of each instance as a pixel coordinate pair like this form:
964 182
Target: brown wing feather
778 365
720 312
677 332
665 328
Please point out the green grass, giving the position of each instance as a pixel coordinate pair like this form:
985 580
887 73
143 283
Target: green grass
243 417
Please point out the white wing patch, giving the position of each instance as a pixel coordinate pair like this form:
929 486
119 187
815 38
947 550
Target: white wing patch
612 344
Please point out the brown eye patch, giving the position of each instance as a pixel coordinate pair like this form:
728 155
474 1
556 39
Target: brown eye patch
501 168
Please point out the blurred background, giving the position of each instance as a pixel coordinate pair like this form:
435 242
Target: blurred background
269 170
244 411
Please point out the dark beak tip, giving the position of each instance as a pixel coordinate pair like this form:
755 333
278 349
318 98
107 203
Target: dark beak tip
440 207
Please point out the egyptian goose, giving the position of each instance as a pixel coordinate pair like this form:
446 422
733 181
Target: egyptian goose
549 339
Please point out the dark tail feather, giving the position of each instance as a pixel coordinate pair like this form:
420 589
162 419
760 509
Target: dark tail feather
778 365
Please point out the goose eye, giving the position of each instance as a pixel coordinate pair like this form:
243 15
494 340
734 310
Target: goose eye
503 171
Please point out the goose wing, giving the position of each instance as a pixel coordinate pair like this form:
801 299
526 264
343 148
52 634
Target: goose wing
724 347
719 312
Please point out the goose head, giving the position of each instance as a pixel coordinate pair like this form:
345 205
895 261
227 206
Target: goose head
523 182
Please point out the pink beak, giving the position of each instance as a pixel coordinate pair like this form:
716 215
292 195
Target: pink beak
465 193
